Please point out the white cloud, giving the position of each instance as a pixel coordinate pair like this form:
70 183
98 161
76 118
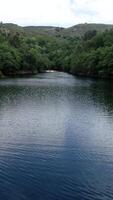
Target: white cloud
56 12
99 11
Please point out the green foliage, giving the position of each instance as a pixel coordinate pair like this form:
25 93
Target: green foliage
91 55
10 59
89 34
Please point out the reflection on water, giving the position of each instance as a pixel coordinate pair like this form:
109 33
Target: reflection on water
56 138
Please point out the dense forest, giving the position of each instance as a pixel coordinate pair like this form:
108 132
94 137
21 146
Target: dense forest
90 54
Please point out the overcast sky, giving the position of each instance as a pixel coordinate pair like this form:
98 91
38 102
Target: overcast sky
56 12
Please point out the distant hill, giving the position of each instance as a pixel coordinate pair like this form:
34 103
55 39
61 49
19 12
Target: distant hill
12 27
81 29
49 30
77 30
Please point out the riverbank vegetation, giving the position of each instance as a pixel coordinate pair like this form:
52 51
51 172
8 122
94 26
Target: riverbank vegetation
87 55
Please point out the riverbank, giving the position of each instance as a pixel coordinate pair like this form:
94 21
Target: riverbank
91 75
1 75
85 74
18 74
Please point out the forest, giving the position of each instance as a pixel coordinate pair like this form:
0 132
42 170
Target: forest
87 55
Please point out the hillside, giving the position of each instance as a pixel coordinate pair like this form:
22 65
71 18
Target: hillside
81 29
12 27
48 30
77 30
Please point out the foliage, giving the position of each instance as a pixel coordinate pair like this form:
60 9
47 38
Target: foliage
91 55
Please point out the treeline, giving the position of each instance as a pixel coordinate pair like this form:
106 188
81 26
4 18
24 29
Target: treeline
91 55
24 54
94 56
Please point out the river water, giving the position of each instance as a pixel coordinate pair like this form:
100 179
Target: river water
56 138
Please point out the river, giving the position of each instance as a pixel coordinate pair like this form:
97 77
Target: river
56 138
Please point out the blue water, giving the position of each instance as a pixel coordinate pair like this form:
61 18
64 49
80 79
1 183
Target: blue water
56 138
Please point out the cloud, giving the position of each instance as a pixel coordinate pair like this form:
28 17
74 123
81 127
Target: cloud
83 7
56 12
98 11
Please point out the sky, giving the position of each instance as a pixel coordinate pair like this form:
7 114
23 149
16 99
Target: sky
62 13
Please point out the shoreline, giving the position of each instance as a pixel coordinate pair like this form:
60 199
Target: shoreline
29 73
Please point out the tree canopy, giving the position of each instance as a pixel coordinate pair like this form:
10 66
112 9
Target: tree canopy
90 55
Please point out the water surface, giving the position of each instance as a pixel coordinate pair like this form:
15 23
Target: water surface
56 138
